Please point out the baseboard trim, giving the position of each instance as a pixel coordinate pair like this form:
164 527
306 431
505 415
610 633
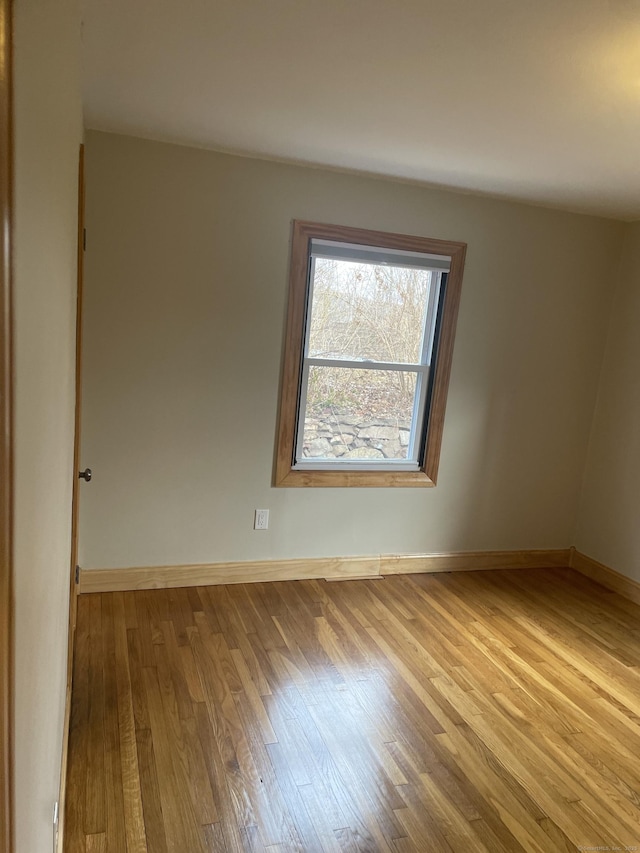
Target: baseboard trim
604 575
471 561
329 568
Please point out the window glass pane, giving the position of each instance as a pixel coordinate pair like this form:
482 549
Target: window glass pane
358 414
366 311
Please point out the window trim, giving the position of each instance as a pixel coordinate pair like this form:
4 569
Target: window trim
426 476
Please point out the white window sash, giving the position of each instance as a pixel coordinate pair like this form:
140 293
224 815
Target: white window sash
421 370
337 251
368 364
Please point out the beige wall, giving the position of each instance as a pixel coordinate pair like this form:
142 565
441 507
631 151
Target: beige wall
608 528
185 297
48 133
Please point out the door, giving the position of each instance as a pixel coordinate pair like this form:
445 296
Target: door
77 480
6 490
79 476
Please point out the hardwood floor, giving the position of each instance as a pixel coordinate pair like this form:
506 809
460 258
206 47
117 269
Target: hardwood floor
481 711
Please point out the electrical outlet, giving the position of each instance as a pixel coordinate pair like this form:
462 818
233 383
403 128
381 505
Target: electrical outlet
261 519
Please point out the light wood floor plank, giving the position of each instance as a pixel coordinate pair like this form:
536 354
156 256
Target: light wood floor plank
131 792
488 711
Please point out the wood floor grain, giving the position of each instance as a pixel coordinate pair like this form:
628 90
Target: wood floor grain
483 711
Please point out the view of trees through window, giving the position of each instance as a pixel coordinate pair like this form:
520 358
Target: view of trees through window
363 312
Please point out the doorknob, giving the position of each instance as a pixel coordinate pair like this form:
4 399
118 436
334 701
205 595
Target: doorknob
85 475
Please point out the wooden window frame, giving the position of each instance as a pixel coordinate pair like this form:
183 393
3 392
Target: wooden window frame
285 474
6 429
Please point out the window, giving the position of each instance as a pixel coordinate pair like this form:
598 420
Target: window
368 350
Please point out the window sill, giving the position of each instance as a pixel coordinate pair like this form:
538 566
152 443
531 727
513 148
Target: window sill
355 479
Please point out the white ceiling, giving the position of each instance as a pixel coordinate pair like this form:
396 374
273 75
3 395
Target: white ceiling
536 100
